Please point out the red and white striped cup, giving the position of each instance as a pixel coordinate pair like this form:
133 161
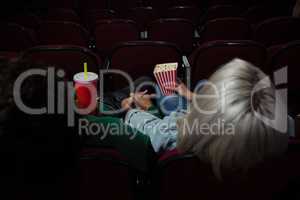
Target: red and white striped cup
165 75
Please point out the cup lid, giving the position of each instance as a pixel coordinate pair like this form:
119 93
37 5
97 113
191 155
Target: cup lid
91 76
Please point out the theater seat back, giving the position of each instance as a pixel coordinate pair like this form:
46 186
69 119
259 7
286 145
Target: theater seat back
182 177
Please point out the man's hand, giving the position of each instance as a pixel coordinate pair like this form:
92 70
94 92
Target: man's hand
126 104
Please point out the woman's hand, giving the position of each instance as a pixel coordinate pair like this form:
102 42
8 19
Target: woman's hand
182 90
140 99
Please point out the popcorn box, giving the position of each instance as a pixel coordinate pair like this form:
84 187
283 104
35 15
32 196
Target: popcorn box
165 75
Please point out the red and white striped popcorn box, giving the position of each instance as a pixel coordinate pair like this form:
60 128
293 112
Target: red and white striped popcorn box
165 75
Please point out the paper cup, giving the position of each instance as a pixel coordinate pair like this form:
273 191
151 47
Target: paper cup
86 91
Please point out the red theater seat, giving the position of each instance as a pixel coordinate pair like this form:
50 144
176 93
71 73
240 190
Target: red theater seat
86 5
14 37
288 56
109 33
278 31
173 30
221 11
191 13
68 4
259 13
9 55
60 33
186 2
143 16
63 15
160 6
123 7
180 177
104 174
226 29
212 55
221 2
27 20
139 58
92 16
273 50
68 58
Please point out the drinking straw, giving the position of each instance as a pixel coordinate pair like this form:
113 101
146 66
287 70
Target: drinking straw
85 71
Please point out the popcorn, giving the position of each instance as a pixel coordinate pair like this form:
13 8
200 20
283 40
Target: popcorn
165 75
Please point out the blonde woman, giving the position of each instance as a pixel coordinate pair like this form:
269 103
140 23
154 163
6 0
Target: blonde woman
223 126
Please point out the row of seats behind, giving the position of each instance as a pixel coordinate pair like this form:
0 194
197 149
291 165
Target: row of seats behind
144 15
108 33
160 5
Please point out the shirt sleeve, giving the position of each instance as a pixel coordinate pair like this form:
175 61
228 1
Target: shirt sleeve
162 132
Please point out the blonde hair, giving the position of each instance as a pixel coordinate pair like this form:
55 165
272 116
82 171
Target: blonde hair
237 139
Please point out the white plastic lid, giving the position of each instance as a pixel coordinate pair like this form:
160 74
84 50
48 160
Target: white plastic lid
79 77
